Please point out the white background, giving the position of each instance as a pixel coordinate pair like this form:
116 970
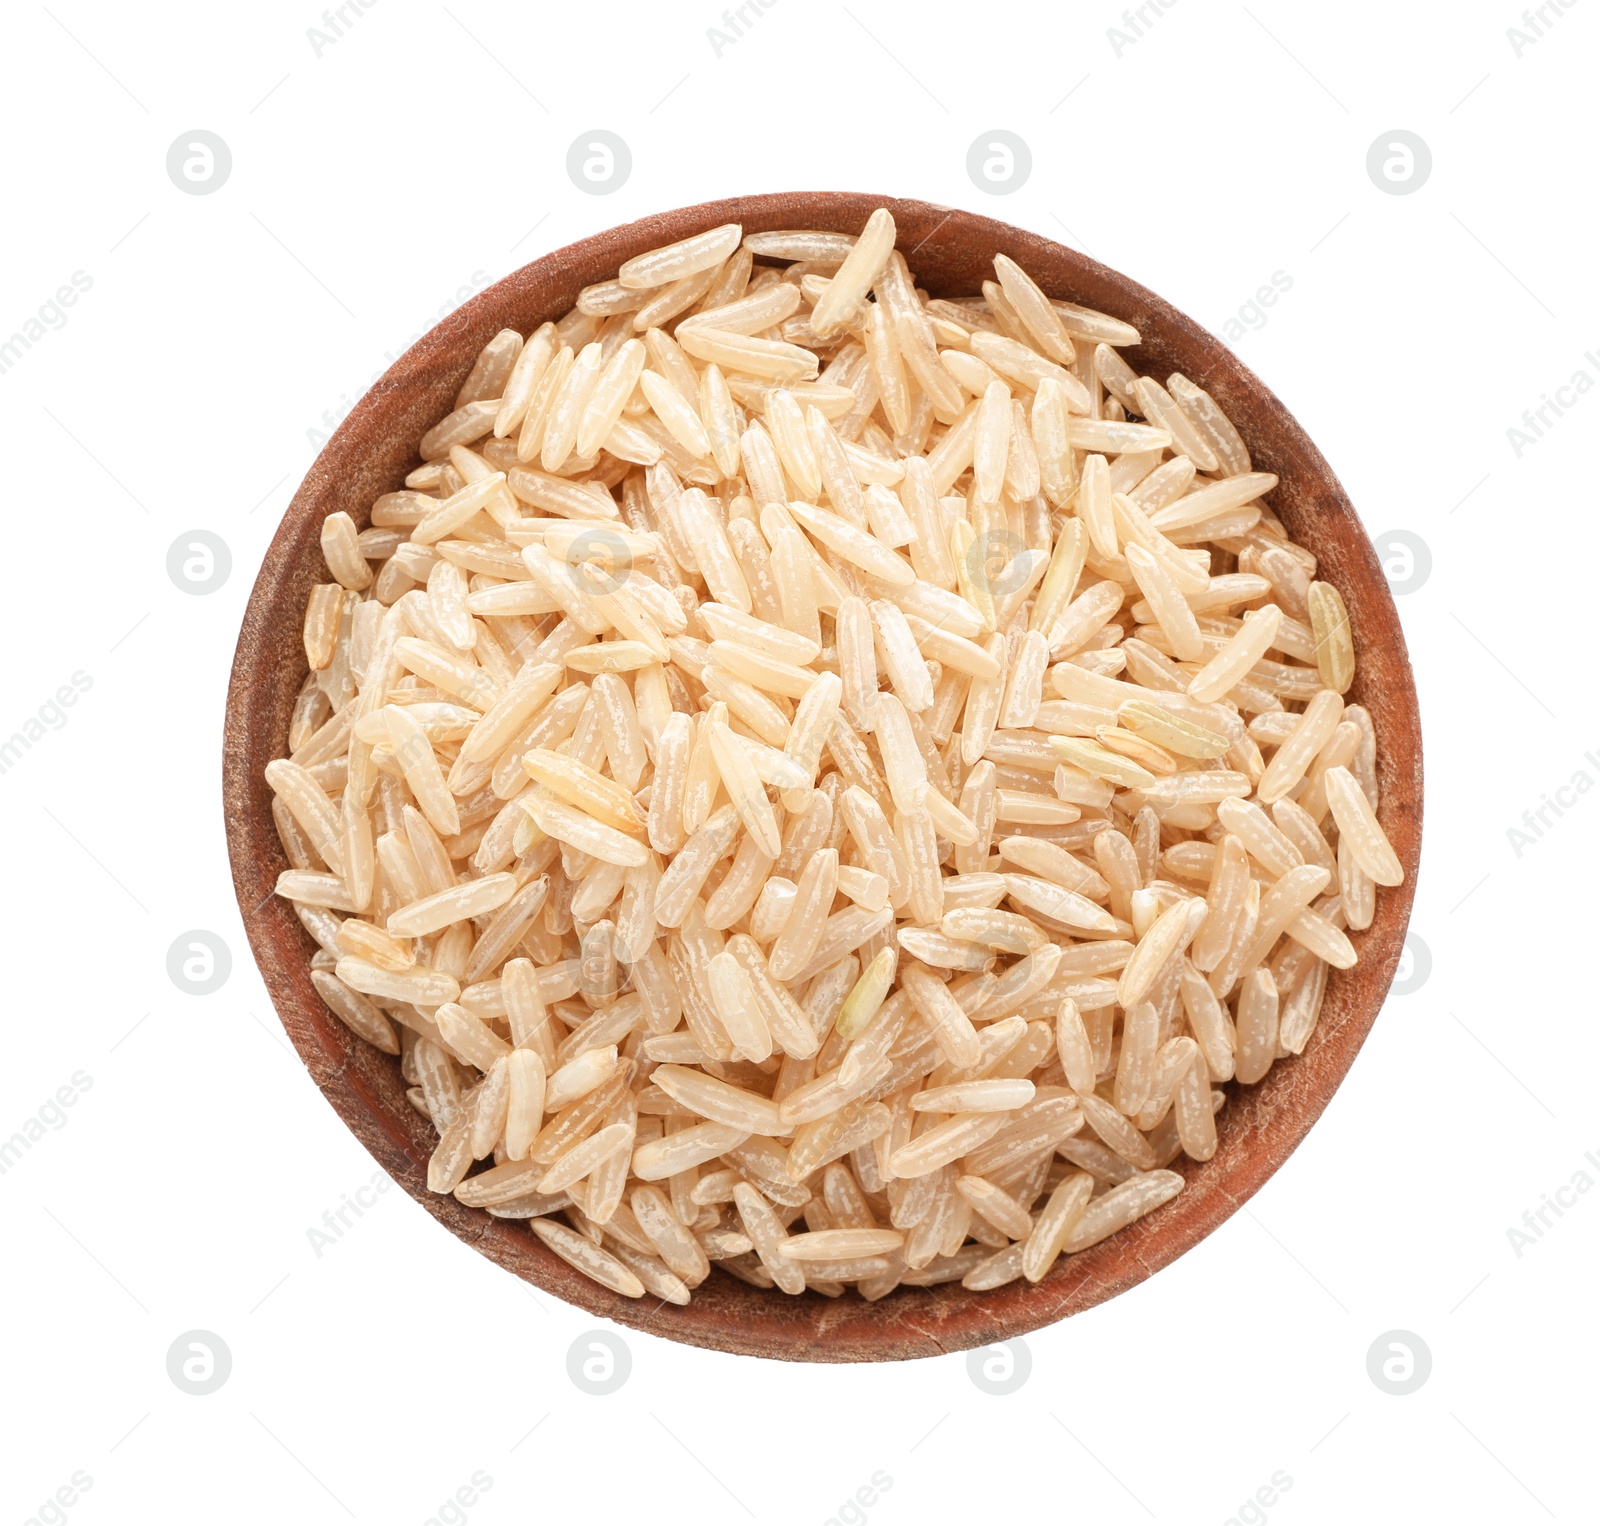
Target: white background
423 155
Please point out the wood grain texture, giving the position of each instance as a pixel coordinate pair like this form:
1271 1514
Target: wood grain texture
951 252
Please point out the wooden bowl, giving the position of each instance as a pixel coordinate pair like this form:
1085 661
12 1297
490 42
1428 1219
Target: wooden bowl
951 253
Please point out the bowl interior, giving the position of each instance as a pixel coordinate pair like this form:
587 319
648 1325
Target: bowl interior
950 252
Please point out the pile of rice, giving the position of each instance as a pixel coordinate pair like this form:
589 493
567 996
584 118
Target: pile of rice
825 782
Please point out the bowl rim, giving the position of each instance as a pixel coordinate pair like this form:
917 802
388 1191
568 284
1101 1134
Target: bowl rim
1264 1123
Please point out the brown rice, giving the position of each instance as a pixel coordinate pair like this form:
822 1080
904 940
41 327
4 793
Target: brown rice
822 781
